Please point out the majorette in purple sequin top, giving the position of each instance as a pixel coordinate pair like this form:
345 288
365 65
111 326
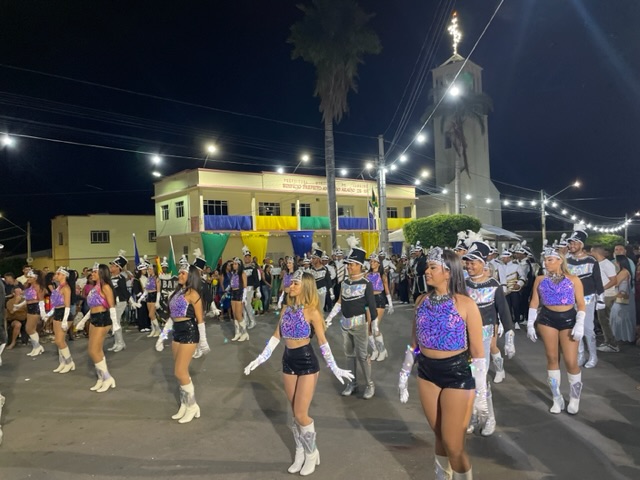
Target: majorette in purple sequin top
286 280
178 305
151 285
439 326
30 294
552 293
376 281
94 299
294 325
56 299
235 281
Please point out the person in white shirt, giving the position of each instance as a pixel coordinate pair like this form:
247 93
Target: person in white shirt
609 283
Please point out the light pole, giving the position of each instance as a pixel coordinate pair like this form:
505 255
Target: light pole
303 159
543 202
382 195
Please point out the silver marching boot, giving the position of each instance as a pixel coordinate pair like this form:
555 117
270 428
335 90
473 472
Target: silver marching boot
575 389
374 349
311 452
183 406
382 350
236 325
193 410
298 460
593 352
553 380
443 468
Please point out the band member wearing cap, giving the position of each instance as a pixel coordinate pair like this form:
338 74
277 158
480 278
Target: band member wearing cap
102 303
34 296
380 283
448 330
153 300
557 294
418 269
187 322
586 268
119 282
60 308
286 274
488 295
512 278
358 306
238 287
300 368
321 274
250 270
138 293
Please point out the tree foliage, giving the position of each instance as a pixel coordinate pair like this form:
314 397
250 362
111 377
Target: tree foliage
439 229
606 240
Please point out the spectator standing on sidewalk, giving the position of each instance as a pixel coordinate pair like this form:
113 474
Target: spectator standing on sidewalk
609 283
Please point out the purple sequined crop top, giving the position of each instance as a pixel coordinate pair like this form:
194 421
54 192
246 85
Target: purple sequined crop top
94 299
293 325
376 281
151 285
235 281
554 294
30 294
286 280
439 326
56 299
179 307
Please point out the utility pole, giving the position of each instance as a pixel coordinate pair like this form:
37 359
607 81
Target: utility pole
28 239
382 195
543 218
626 229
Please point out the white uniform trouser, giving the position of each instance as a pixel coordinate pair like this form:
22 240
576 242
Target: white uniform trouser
322 298
248 315
589 332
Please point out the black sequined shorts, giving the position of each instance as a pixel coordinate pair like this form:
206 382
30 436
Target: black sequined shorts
186 331
558 320
33 309
101 319
236 295
452 372
152 297
381 300
300 361
58 314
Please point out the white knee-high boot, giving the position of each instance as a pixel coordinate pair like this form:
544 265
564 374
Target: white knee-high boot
374 349
575 389
236 324
443 468
244 335
553 380
498 363
103 373
36 348
463 476
193 410
311 453
60 362
155 328
68 363
382 350
298 460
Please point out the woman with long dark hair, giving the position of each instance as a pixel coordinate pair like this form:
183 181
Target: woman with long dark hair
102 313
380 283
153 300
238 288
61 309
556 295
300 366
622 316
451 364
34 294
285 277
187 322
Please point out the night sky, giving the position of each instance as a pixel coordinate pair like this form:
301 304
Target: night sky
563 75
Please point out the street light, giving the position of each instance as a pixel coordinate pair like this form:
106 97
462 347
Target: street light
343 172
156 174
156 159
211 149
421 138
303 159
7 141
543 202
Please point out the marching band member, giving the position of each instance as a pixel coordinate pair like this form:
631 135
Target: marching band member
60 308
119 282
380 283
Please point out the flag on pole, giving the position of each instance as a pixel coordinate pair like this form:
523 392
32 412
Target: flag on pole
158 265
374 200
371 218
136 255
172 259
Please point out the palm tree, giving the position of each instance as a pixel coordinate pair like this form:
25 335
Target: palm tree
333 36
453 113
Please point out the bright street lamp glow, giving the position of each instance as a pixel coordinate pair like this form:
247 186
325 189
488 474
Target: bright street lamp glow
588 225
554 204
488 200
416 182
7 141
576 183
424 173
520 203
573 217
506 203
156 159
467 196
533 203
304 158
156 174
211 148
343 172
393 167
445 191
280 170
403 158
564 211
368 165
421 138
454 91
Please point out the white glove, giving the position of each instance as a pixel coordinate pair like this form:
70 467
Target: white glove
264 356
480 404
509 345
578 330
280 300
258 294
203 346
80 324
600 305
340 374
334 311
332 295
142 297
132 303
500 329
405 372
168 326
158 302
115 321
65 319
390 308
43 314
244 296
214 309
18 306
197 353
531 327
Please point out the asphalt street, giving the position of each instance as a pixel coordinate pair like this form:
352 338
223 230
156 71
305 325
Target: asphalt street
55 428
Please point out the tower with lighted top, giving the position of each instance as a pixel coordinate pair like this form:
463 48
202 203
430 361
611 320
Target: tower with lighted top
455 131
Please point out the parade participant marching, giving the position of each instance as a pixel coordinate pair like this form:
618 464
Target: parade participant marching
557 294
511 277
586 268
358 305
153 300
326 261
200 264
462 243
119 282
486 292
187 322
300 365
380 284
451 362
341 269
321 275
60 309
34 297
102 311
253 285
238 287
286 274
418 269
